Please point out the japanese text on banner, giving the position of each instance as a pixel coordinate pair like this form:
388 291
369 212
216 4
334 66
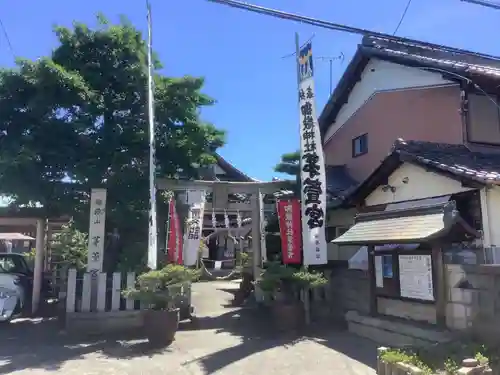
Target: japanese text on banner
196 201
312 172
96 231
290 229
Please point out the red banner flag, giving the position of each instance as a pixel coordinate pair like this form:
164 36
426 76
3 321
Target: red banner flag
174 244
290 230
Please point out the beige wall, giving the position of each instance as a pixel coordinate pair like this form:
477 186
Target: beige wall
381 76
426 114
420 184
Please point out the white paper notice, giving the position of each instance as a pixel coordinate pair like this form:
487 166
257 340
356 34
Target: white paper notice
415 277
379 277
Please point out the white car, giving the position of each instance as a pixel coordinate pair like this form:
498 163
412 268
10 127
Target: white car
16 282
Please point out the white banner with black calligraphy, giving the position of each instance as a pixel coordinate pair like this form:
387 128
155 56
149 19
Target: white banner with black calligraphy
96 231
196 201
312 174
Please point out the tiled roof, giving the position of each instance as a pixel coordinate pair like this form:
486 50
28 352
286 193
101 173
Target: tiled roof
338 181
455 159
433 55
480 69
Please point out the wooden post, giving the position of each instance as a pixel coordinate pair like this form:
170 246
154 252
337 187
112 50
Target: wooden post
372 280
256 251
439 285
38 269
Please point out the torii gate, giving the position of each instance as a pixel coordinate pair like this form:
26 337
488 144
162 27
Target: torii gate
220 191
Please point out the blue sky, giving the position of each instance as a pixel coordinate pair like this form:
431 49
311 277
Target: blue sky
240 53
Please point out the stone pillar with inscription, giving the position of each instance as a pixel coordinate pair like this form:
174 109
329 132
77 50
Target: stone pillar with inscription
97 234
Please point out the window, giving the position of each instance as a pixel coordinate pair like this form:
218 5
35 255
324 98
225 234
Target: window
360 145
483 119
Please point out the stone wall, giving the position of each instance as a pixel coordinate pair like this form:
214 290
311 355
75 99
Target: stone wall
347 290
474 300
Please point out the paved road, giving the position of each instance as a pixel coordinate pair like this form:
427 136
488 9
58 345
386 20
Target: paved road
226 341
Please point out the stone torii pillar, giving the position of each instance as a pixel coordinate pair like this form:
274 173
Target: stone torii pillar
226 187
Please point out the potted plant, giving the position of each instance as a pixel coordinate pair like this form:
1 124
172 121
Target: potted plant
246 284
282 284
160 290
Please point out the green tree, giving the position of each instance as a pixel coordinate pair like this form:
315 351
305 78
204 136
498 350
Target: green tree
69 247
80 115
289 164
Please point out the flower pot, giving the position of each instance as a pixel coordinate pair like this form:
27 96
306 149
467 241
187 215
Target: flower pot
160 326
287 316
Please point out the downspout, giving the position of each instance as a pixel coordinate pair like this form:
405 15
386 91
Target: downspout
464 106
485 218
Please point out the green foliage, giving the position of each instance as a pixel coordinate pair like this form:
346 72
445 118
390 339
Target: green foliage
70 247
160 288
289 163
30 258
279 277
394 356
443 357
243 260
80 113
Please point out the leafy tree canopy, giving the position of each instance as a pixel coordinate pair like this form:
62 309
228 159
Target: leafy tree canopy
289 163
80 114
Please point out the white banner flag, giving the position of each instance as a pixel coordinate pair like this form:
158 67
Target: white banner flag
96 231
192 238
312 174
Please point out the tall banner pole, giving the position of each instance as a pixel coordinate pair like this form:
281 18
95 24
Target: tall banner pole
153 233
312 163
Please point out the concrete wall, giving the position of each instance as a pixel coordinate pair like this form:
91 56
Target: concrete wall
341 218
490 215
350 290
420 312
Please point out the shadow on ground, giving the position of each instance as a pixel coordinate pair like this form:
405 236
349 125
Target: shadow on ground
41 344
254 327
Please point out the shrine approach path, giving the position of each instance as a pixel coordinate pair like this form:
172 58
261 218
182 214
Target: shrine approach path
225 341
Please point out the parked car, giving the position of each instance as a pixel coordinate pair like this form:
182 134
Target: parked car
16 286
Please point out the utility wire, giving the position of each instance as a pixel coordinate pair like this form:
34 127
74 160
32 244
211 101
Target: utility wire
402 17
354 30
333 26
6 35
484 3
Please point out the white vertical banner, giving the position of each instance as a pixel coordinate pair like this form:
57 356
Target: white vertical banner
153 232
312 173
196 202
263 224
97 231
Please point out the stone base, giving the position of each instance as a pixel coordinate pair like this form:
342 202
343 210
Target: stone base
394 333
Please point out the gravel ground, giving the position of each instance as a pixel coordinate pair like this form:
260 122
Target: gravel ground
224 341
